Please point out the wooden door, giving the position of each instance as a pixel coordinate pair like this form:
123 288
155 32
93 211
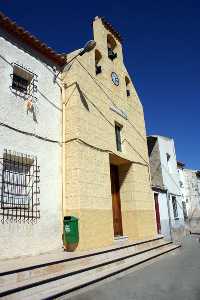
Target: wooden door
157 213
116 205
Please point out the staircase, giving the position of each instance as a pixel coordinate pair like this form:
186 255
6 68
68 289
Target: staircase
52 276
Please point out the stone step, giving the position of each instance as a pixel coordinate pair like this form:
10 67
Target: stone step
48 262
88 268
66 285
15 265
32 273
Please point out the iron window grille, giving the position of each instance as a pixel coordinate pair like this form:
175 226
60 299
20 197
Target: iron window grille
20 84
24 82
19 188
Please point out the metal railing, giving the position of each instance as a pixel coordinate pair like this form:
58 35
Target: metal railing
19 190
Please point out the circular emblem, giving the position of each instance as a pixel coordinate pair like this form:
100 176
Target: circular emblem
115 78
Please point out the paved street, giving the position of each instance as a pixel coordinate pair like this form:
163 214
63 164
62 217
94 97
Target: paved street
174 277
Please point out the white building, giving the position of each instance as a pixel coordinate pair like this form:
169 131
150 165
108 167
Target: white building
30 148
165 184
198 183
190 185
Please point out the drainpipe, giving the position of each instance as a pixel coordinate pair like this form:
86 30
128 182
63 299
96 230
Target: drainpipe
169 214
63 167
62 90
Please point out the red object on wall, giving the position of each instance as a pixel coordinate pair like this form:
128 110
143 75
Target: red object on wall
157 213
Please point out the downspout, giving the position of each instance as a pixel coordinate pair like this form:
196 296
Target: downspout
62 90
63 148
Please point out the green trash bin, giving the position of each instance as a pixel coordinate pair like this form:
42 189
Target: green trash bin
70 233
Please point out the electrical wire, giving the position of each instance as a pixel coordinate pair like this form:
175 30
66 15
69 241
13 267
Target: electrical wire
101 83
99 149
113 103
29 133
146 162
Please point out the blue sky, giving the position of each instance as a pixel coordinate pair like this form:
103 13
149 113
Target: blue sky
161 50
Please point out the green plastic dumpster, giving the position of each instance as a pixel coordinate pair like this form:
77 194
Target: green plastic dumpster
70 233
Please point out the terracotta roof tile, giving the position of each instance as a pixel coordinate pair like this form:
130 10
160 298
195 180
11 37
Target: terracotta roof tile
25 36
111 29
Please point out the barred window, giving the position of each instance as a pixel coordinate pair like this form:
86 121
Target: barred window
20 84
24 82
19 187
21 80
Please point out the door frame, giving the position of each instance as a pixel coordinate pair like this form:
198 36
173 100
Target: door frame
116 202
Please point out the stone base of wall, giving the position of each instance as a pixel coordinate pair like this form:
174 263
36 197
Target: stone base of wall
179 233
194 225
96 227
22 239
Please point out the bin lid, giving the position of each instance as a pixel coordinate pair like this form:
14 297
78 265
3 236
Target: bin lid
70 218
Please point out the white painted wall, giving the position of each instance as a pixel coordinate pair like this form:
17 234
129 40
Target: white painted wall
192 193
182 185
169 170
164 216
198 186
170 174
17 239
170 179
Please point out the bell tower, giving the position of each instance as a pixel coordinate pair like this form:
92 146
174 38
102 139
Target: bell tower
109 64
108 40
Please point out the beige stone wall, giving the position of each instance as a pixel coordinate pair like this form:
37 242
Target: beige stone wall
155 162
90 144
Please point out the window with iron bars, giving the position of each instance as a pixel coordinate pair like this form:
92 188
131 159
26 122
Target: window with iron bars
20 84
19 188
24 81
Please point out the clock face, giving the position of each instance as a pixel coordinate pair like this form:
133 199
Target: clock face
115 78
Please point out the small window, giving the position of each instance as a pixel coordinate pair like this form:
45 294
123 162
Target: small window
168 156
20 84
127 81
169 162
118 129
174 205
111 44
184 210
181 184
21 80
98 58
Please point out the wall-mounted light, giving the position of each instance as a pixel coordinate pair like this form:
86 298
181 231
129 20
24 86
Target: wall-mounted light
90 45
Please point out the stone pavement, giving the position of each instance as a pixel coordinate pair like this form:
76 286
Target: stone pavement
174 277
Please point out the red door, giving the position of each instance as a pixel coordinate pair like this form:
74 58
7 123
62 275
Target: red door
157 213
